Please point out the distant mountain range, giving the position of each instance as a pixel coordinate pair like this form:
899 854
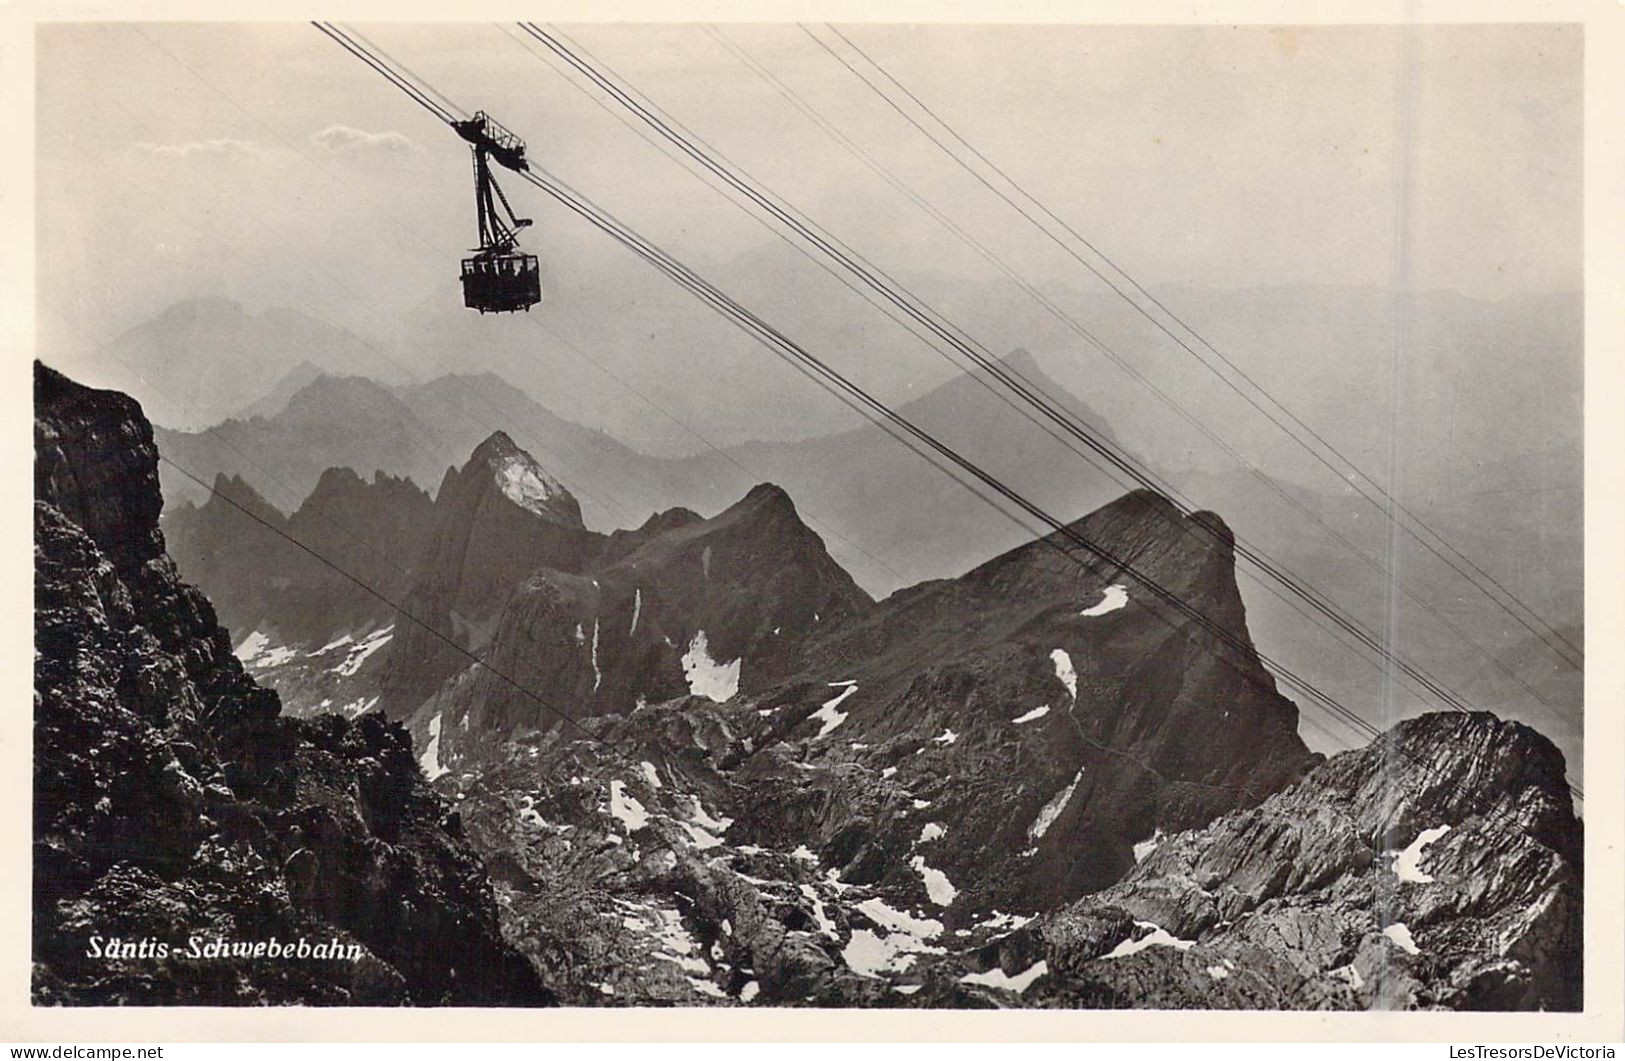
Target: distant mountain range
892 520
419 430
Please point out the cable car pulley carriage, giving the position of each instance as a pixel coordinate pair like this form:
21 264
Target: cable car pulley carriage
499 278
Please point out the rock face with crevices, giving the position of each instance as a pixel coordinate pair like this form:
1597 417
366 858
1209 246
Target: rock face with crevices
1439 867
496 518
173 801
683 605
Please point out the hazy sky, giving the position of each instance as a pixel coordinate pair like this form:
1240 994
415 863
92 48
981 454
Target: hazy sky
264 164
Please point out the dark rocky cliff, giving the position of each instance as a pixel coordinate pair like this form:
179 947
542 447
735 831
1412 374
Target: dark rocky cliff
172 799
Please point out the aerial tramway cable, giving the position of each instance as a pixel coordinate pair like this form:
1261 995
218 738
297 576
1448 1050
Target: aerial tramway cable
786 348
1547 637
462 384
957 338
1242 547
1166 399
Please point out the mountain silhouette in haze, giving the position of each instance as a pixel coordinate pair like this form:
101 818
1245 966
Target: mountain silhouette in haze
205 359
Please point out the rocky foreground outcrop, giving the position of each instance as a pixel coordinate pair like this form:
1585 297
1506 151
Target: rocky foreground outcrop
172 800
1439 867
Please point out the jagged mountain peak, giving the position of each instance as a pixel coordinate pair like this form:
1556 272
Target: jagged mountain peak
498 445
346 481
113 495
234 488
1446 766
523 480
762 526
1140 538
339 479
670 519
769 495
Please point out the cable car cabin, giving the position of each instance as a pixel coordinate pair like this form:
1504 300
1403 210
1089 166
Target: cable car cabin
499 278
501 283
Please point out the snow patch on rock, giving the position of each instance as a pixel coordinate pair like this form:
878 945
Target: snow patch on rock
938 887
358 707
830 715
706 676
825 924
1052 809
361 650
252 646
895 949
698 814
1146 846
1000 920
1157 937
1400 934
996 977
1408 863
523 482
894 920
343 640
701 838
430 759
1064 671
1114 597
597 675
1032 716
626 809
